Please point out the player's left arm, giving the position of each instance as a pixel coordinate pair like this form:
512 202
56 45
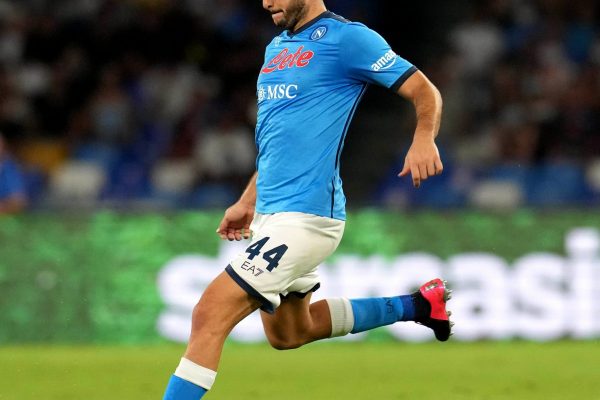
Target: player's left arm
423 158
367 58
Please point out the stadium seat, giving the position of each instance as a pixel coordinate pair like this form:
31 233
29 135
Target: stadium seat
438 193
46 155
592 175
173 177
129 180
496 194
212 195
443 191
35 185
515 173
97 153
556 184
77 183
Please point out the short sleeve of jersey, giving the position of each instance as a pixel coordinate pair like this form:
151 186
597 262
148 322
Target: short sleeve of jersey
367 57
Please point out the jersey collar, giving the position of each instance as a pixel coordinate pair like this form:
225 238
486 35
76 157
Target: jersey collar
324 14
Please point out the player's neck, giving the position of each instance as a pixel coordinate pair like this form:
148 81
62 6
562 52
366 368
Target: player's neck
312 13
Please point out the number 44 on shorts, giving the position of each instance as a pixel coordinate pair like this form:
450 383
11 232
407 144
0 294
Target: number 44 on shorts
272 256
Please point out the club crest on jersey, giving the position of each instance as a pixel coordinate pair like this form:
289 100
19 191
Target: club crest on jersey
286 59
318 33
385 62
277 41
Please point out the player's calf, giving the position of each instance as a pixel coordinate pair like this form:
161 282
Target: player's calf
426 307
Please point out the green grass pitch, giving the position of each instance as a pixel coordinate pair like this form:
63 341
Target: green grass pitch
330 370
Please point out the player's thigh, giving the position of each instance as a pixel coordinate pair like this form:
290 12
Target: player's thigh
222 305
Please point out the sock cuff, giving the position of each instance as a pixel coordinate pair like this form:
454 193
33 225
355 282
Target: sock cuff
342 316
195 373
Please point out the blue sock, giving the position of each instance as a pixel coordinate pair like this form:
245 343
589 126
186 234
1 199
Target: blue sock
375 312
180 389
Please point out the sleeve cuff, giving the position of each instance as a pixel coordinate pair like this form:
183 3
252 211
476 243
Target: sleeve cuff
403 78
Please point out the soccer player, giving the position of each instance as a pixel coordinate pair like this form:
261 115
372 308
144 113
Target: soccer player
314 75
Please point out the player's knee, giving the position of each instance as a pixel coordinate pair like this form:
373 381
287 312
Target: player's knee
285 342
279 344
200 316
205 320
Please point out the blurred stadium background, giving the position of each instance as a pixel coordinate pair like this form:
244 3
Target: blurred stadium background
128 128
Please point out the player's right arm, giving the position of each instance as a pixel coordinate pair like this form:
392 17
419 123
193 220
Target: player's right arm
235 224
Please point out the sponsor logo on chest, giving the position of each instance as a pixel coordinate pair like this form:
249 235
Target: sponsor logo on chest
287 59
276 92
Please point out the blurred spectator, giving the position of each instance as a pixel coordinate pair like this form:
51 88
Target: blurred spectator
13 198
479 42
111 111
129 86
226 151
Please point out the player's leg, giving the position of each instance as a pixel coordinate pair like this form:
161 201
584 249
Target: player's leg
427 306
297 322
222 306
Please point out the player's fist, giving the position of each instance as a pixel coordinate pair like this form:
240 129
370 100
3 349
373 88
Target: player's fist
422 161
235 224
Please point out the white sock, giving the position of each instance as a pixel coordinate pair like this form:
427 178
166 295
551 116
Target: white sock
342 317
195 373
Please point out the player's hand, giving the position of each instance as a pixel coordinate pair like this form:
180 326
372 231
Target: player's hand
235 225
422 161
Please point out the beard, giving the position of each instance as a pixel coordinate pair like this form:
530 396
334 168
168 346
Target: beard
291 16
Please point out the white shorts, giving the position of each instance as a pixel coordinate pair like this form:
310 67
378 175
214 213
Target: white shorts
283 257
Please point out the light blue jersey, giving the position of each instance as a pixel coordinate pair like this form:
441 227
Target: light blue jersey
308 90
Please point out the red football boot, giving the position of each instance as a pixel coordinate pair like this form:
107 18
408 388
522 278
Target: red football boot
437 294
